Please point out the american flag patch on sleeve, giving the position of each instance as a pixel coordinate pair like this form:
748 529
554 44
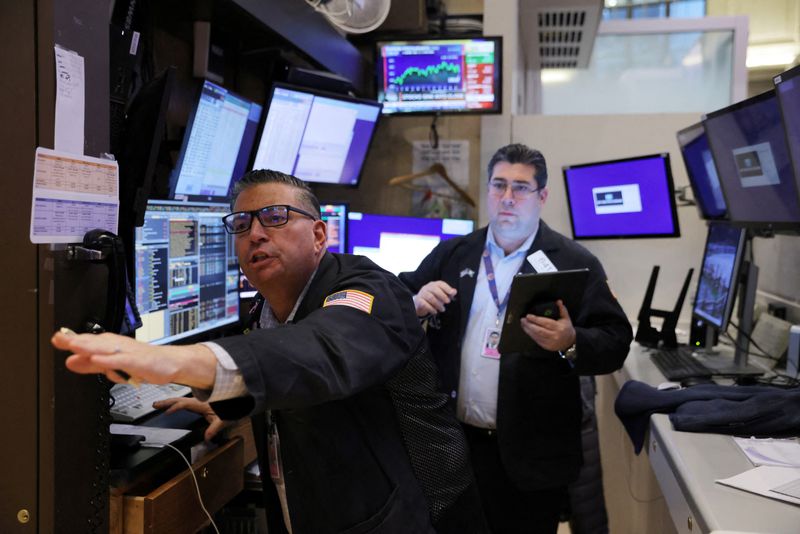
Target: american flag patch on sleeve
350 297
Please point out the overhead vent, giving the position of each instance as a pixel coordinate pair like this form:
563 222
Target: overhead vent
558 34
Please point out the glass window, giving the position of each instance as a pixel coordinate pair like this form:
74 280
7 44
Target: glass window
677 72
687 9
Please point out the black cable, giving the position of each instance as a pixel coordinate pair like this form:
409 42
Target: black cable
764 354
433 134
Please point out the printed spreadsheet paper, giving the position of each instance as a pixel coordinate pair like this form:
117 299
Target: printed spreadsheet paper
72 195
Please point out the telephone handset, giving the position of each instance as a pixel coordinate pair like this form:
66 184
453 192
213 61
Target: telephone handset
104 247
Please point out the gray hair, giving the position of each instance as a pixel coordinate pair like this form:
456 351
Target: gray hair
305 196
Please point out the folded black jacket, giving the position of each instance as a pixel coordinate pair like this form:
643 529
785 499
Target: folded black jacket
733 410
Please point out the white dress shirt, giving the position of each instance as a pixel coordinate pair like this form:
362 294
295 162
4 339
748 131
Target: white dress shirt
478 381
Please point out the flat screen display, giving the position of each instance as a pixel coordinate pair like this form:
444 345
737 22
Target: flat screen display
457 75
318 137
398 243
624 198
716 289
787 87
216 146
749 147
187 274
702 172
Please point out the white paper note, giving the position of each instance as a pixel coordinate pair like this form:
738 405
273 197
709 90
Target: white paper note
764 481
72 195
70 101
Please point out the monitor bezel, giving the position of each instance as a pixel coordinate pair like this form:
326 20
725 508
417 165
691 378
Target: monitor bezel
665 158
346 219
681 136
734 286
214 331
324 94
767 228
498 75
790 74
175 174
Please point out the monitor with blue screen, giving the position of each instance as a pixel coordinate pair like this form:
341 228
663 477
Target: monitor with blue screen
399 243
702 173
317 137
752 158
216 146
719 274
787 87
623 198
186 271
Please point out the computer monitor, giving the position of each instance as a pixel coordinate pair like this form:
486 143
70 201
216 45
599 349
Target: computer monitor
702 173
186 271
787 88
216 146
335 216
624 198
316 136
398 243
755 170
445 75
719 274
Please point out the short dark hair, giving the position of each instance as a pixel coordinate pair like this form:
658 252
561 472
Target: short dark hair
305 196
519 153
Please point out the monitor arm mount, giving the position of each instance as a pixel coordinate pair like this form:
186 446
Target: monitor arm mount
648 335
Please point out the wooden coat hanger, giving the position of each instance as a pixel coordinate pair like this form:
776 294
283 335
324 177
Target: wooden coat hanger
437 168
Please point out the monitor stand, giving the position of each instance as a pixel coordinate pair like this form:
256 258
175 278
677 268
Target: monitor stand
646 334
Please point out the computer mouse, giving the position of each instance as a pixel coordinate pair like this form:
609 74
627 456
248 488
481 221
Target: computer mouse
696 381
665 386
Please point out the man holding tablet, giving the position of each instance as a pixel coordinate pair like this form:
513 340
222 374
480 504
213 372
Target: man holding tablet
521 412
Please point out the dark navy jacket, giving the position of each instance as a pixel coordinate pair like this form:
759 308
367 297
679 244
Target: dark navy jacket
539 399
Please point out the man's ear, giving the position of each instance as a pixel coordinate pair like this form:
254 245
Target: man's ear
320 230
543 195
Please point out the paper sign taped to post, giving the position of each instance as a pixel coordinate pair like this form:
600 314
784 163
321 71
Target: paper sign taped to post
72 195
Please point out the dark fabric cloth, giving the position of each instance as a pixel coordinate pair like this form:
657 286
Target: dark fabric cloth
368 443
587 505
510 510
539 403
733 410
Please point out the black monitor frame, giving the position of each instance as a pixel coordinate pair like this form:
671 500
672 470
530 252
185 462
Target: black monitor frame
324 94
794 155
722 325
670 188
685 137
761 227
346 206
498 74
175 175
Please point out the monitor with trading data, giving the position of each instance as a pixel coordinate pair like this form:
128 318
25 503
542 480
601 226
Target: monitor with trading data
719 274
701 171
623 198
186 271
318 137
398 243
787 87
752 158
216 146
446 75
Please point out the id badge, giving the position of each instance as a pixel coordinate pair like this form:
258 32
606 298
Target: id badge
490 342
274 445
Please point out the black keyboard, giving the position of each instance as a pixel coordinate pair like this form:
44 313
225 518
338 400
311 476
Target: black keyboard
678 363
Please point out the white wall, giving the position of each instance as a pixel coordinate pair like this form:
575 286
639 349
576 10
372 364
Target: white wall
569 140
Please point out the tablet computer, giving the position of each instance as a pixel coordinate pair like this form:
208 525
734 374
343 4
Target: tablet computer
537 293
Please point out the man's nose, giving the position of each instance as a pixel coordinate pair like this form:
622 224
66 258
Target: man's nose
257 231
508 196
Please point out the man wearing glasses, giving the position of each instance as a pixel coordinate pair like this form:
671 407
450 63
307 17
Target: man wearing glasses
521 415
337 379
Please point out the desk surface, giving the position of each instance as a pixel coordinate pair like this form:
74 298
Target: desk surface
697 460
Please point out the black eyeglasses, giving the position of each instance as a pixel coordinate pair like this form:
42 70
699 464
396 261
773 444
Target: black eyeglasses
518 189
268 216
